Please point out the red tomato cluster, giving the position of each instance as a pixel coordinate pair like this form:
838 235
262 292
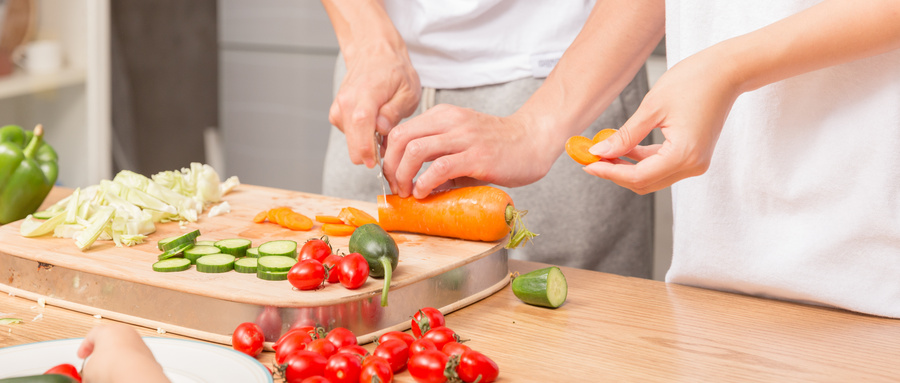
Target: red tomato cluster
318 264
306 354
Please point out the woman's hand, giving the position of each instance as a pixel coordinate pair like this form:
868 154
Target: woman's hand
689 104
466 147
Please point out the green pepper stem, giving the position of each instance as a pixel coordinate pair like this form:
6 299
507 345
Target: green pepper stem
386 264
35 142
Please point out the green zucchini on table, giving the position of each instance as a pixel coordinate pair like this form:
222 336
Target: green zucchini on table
545 287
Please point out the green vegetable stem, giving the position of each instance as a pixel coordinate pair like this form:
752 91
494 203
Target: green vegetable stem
380 251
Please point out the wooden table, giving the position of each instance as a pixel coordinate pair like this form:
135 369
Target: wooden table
614 328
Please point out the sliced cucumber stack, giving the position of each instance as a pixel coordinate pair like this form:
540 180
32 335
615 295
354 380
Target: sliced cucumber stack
215 263
545 287
173 242
171 265
271 275
275 264
245 265
198 251
282 248
235 246
174 252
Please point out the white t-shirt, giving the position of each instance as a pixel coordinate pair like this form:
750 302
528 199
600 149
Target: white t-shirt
802 198
466 43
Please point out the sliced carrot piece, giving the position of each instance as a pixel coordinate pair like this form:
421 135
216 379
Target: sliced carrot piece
603 134
261 217
338 229
329 219
355 217
577 148
281 215
272 216
296 221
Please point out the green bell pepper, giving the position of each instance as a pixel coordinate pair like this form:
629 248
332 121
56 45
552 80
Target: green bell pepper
28 170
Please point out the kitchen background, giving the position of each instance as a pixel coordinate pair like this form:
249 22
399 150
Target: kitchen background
149 86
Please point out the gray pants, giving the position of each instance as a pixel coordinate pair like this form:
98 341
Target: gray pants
583 221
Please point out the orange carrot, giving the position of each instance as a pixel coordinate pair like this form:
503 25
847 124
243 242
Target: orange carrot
329 219
577 146
482 213
295 221
355 217
338 229
261 217
272 216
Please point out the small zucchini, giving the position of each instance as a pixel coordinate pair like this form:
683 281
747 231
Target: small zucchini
545 287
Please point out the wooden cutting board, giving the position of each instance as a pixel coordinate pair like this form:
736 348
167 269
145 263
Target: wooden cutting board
422 259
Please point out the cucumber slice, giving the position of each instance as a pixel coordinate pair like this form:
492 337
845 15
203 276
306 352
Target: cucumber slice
161 242
43 215
205 243
188 237
272 275
245 265
236 246
283 248
276 263
195 252
170 265
253 252
174 252
544 287
215 263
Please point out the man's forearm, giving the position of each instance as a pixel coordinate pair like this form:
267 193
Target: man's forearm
360 22
616 40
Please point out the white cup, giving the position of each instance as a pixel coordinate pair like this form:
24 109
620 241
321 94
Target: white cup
39 57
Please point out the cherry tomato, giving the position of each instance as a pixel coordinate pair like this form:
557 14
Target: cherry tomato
354 270
317 249
316 379
343 368
454 348
307 274
341 337
406 338
375 369
303 364
474 365
302 329
323 347
331 263
441 336
354 349
425 320
65 369
291 342
428 366
395 351
421 345
248 338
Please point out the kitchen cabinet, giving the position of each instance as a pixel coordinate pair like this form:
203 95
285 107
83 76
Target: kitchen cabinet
72 104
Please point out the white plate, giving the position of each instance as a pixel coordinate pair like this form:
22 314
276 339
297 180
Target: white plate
182 360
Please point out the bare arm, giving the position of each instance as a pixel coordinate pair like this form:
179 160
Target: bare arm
691 101
380 87
520 149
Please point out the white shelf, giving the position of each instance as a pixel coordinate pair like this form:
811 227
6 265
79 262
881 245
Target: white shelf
20 83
